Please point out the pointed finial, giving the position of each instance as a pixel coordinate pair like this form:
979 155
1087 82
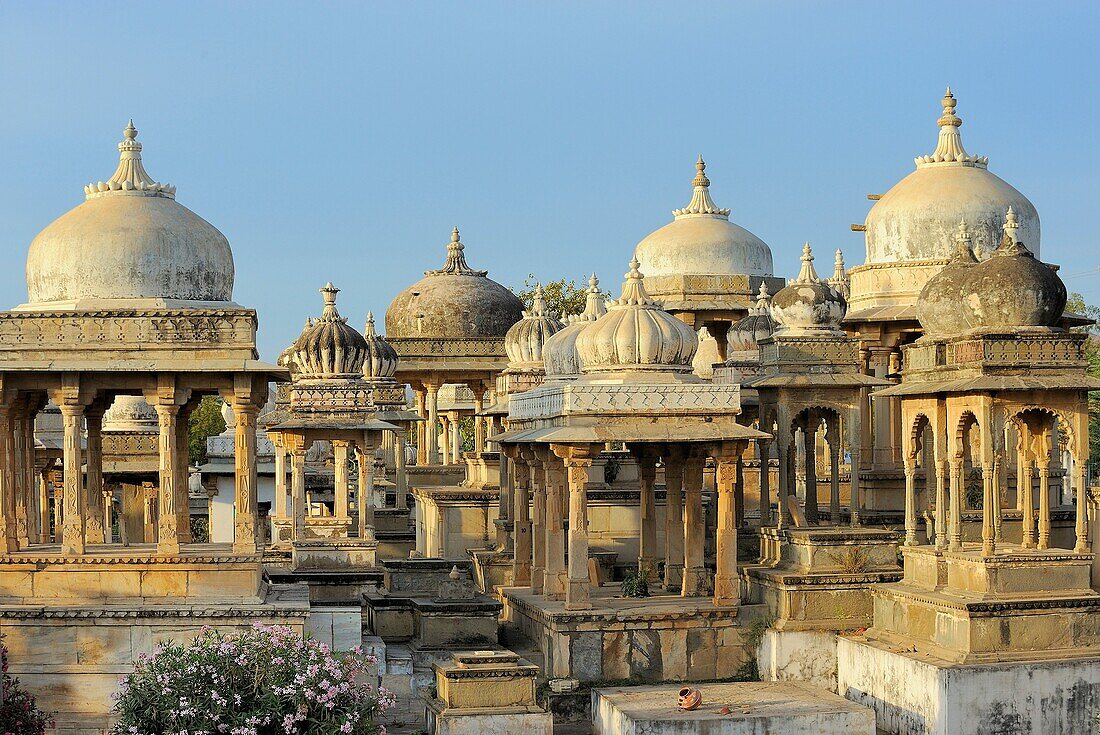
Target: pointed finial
634 292
807 274
1011 223
593 283
130 132
763 299
456 260
949 146
538 302
130 177
454 235
964 253
594 305
701 203
369 332
634 273
328 291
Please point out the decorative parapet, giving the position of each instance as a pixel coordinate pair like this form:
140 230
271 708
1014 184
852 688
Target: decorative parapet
431 347
573 399
805 352
1050 350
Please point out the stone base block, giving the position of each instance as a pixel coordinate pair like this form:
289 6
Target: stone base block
753 707
339 627
487 722
912 695
803 656
333 554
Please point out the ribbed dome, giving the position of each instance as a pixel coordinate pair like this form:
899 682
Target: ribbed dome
1012 288
381 357
130 414
329 348
454 302
527 338
917 218
701 240
636 334
939 308
559 354
808 305
130 239
745 335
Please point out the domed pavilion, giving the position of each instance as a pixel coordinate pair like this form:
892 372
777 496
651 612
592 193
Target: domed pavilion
449 328
705 269
128 294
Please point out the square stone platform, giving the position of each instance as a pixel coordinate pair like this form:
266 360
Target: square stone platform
658 638
774 708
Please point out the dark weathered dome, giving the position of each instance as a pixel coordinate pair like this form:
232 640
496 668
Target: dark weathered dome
939 308
807 304
381 357
745 335
454 302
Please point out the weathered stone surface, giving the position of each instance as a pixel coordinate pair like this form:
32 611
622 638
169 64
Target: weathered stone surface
586 656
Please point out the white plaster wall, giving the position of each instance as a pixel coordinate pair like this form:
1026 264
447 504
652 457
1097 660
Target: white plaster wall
806 656
221 512
912 697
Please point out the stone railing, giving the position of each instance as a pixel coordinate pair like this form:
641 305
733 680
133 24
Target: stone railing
433 347
1047 350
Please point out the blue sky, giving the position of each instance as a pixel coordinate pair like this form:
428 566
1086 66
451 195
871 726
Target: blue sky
343 141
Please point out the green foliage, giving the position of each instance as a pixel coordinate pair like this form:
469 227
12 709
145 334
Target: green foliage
636 583
751 639
1077 305
205 421
563 297
19 711
262 680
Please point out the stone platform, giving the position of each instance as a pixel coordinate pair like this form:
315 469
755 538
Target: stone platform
658 638
785 708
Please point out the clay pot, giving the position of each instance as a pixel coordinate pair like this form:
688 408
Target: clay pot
689 699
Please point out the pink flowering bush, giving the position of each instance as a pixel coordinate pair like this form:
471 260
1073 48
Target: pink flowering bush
262 681
19 713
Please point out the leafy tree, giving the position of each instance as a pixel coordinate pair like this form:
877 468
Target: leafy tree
205 421
1077 305
563 297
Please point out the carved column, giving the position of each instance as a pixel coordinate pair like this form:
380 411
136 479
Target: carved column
298 490
809 439
577 461
989 499
280 476
957 491
108 516
431 430
763 455
521 530
44 493
246 507
421 397
1042 468
910 469
505 517
941 505
554 575
674 519
8 536
365 498
648 554
832 438
17 458
93 421
1082 545
695 583
59 511
183 491
538 522
479 421
783 516
999 477
856 437
456 438
442 442
340 481
1025 496
727 583
401 476
168 519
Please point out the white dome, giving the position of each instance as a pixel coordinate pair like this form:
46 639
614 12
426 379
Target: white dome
130 239
130 414
702 241
807 305
559 354
527 338
917 219
636 334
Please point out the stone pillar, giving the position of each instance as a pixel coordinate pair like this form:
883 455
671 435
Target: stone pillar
400 473
280 479
941 505
674 520
1081 546
727 583
245 505
19 489
365 498
578 591
695 583
108 516
421 397
1042 468
59 511
989 499
739 493
910 469
832 438
505 517
443 440
957 492
648 558
999 478
1025 497
763 455
456 438
389 457
521 529
340 481
783 516
183 492
8 537
44 492
298 491
809 439
431 429
93 529
555 575
167 519
855 426
538 524
479 421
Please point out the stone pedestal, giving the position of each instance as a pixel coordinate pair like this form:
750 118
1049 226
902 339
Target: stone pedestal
452 520
333 554
746 708
486 693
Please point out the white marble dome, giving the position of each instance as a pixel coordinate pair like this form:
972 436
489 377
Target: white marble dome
130 414
559 354
636 334
702 241
807 305
527 338
129 239
917 218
